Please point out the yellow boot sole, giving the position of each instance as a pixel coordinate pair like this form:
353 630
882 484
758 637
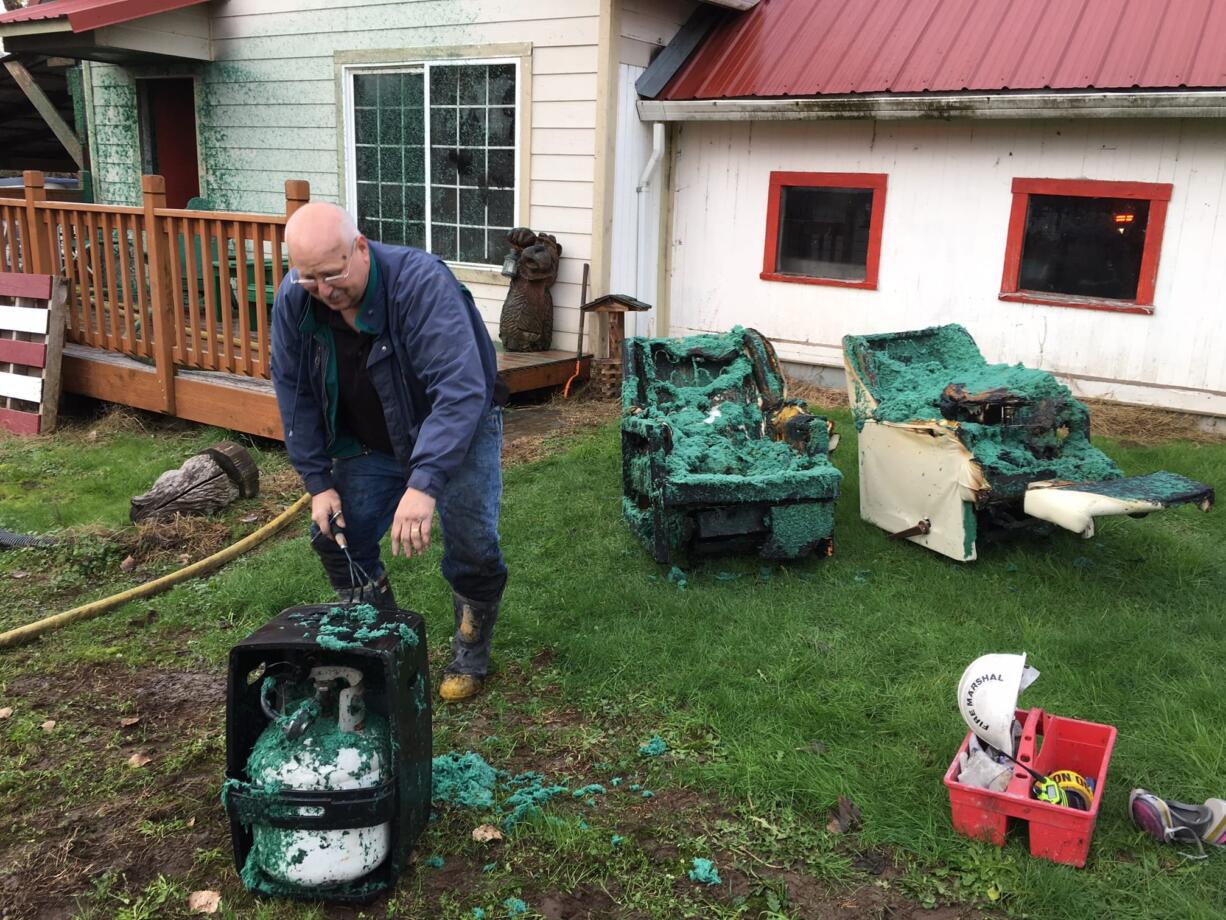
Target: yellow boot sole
456 687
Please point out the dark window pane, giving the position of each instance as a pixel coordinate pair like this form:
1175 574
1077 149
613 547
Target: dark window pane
502 208
502 168
368 200
502 128
391 167
443 205
472 85
365 90
414 202
472 127
442 165
469 163
472 206
392 232
823 232
390 134
391 91
443 126
414 164
443 85
502 84
391 201
1084 247
443 242
496 246
415 234
368 163
368 227
414 127
366 126
472 245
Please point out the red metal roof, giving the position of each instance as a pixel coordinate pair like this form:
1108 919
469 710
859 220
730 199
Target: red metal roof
83 15
835 47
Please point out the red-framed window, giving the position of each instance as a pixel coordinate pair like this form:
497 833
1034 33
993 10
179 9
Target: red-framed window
824 228
1085 243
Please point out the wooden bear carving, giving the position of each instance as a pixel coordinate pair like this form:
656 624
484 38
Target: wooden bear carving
527 315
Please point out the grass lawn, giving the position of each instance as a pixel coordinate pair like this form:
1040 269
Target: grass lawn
778 688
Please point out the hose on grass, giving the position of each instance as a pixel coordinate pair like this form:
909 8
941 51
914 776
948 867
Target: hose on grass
23 634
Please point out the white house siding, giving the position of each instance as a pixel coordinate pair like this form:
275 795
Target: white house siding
267 110
945 227
645 27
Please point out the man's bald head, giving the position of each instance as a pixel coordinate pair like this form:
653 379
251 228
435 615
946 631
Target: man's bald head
323 242
319 224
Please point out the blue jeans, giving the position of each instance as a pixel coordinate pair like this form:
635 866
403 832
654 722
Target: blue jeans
371 485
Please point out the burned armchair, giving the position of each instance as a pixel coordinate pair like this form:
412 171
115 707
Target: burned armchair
715 457
950 444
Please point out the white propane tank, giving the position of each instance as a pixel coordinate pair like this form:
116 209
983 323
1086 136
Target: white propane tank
315 858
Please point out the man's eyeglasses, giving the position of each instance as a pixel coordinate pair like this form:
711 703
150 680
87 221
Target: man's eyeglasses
312 284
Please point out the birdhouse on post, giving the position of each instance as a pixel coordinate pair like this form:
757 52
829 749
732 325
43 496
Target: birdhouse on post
607 372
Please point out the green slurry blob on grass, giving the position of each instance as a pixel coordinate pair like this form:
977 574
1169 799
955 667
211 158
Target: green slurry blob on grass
704 872
464 779
653 747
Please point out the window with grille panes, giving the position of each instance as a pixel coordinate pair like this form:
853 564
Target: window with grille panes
434 157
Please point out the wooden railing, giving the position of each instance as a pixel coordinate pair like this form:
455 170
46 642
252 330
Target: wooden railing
178 288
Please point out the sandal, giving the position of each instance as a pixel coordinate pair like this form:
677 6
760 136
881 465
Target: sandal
1168 821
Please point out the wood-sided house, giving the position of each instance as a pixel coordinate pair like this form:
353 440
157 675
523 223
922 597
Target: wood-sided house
1051 174
438 123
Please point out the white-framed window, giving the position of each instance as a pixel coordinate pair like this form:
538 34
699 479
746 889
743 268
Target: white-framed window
432 153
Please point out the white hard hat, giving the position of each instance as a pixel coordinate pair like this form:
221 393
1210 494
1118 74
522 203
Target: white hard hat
987 696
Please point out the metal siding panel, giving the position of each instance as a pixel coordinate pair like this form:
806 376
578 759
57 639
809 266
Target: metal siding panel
899 46
1091 40
826 47
935 63
1175 47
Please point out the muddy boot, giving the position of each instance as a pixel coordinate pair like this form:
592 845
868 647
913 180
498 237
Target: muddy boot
470 648
377 593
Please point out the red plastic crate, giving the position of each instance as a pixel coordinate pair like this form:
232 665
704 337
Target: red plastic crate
1049 743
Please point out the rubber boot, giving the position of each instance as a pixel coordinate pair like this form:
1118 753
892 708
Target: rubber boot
470 648
377 593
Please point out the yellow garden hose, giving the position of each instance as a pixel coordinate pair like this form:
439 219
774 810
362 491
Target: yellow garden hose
30 631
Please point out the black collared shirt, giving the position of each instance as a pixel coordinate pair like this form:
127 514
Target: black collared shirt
360 412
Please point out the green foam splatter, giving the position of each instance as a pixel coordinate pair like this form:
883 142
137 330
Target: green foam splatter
463 779
515 907
704 871
653 747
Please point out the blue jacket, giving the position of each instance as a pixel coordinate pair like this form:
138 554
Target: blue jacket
432 364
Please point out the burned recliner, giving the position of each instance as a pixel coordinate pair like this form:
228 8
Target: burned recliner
715 457
950 444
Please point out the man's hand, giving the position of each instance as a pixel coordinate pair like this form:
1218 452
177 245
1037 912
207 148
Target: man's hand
325 507
411 525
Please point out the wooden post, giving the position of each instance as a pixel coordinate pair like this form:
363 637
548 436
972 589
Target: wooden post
39 249
163 299
297 193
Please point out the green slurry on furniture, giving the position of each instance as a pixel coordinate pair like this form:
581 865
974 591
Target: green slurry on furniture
706 425
939 375
1160 488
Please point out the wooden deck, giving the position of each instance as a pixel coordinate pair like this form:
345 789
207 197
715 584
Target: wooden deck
247 404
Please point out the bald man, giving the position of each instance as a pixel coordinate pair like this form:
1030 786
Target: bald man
387 384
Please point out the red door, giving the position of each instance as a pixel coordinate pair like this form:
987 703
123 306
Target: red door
170 133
